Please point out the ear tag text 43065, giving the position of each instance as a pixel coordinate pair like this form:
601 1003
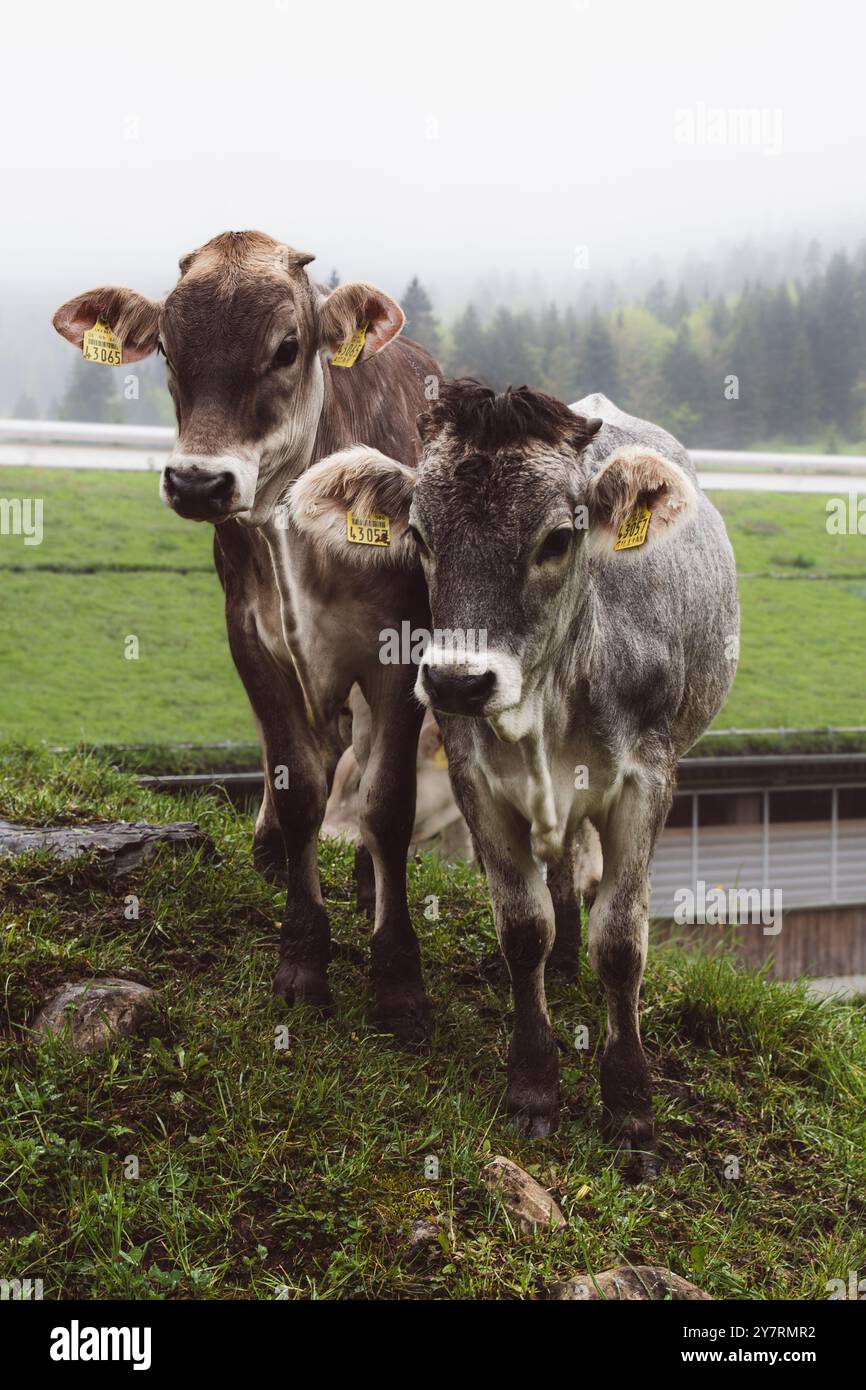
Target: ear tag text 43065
100 345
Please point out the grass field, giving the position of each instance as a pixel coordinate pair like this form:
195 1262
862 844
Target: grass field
302 1169
115 562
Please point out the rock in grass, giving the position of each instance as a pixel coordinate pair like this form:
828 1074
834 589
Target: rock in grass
124 845
526 1200
627 1285
422 1235
98 1011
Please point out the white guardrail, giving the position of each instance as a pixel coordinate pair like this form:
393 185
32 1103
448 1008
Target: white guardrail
82 432
141 448
76 444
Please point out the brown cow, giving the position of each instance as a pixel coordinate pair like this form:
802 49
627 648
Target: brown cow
248 339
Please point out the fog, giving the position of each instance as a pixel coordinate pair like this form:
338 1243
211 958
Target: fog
550 145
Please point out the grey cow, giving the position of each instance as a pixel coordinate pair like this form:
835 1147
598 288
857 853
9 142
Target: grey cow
580 544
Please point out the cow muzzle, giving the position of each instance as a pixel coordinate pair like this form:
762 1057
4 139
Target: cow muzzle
482 686
458 692
207 489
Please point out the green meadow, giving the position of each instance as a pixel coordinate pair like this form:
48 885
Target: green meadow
114 562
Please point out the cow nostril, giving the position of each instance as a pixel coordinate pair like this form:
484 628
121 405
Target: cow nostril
223 485
456 691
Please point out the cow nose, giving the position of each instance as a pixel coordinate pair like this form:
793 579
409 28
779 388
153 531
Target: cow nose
455 692
198 492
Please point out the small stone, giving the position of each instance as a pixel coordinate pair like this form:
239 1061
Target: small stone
101 1010
526 1200
627 1285
422 1234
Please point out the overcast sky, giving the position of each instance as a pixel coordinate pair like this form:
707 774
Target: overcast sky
557 139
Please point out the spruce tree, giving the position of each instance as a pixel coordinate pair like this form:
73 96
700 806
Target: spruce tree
421 324
91 393
598 362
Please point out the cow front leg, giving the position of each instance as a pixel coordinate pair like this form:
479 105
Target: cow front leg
365 881
618 930
300 793
269 846
365 876
387 814
524 919
526 937
270 695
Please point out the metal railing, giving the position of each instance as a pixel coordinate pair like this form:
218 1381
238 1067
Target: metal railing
77 433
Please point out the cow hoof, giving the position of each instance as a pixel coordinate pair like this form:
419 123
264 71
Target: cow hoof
640 1164
297 984
566 966
534 1110
408 1022
538 1125
647 1165
634 1138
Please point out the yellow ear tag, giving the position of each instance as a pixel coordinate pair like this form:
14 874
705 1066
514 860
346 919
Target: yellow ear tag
368 530
439 758
100 345
348 352
633 530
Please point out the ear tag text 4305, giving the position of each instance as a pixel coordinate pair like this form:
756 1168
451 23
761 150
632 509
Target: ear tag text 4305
368 530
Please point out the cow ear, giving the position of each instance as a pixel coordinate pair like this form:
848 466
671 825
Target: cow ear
350 307
132 318
631 481
355 505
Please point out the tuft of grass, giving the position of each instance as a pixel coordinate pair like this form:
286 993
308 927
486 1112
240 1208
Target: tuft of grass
263 1169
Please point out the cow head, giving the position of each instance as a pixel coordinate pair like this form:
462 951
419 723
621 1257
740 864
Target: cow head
509 521
246 337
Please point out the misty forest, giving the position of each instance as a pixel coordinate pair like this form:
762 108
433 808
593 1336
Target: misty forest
781 363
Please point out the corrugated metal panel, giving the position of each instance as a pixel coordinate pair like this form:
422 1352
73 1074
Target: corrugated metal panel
851 862
732 856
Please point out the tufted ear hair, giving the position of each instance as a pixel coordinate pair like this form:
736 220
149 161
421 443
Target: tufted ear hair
367 484
132 317
630 478
350 307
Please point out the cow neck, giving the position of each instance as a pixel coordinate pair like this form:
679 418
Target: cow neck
282 543
573 657
300 447
293 447
345 415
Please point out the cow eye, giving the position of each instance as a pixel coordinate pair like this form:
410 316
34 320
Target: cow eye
557 544
161 352
286 353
